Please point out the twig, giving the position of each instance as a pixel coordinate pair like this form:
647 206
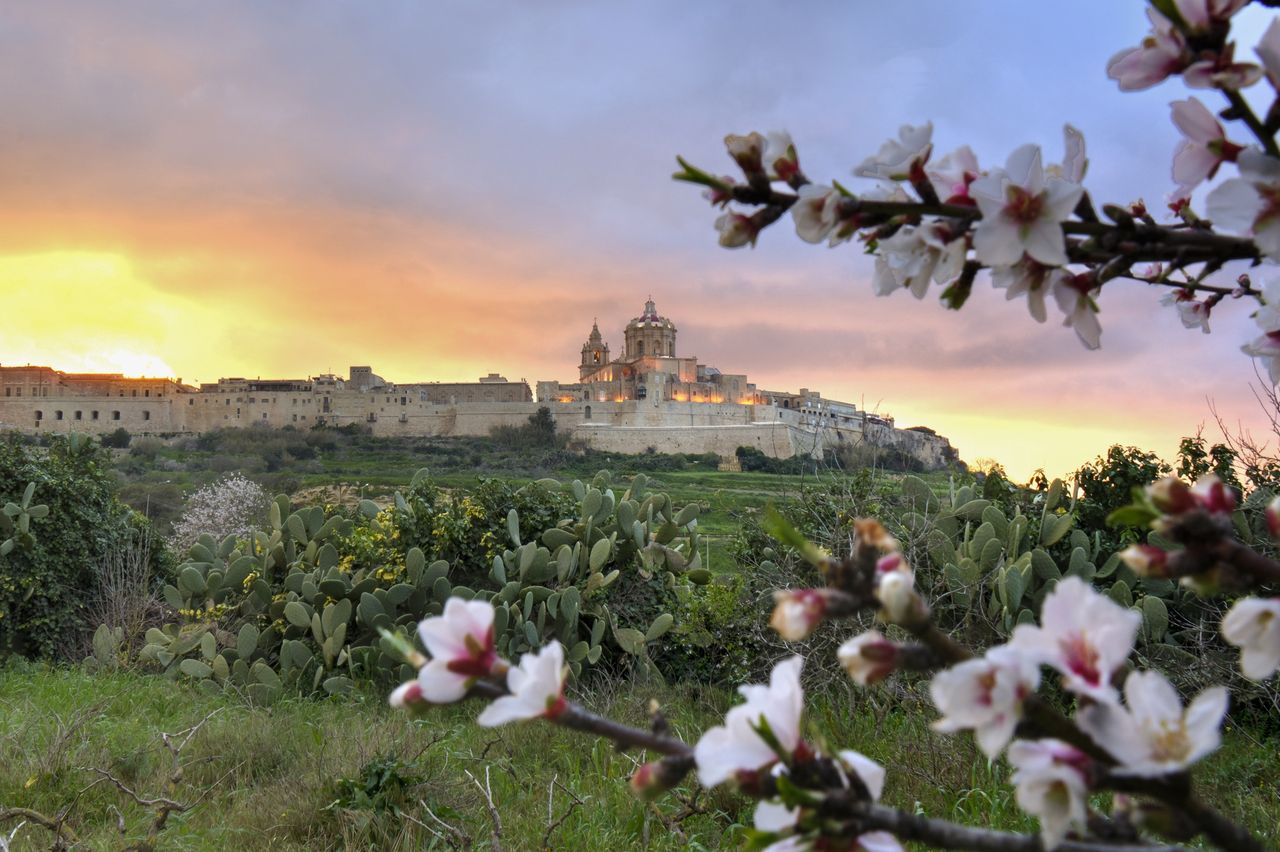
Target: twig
552 826
494 817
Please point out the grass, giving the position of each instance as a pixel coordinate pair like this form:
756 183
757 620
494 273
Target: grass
328 774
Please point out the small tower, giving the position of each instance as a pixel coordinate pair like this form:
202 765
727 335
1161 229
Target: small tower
595 353
650 335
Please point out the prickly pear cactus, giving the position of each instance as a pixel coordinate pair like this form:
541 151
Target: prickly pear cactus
993 571
288 610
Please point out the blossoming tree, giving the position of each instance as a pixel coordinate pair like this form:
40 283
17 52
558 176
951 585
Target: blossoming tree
1037 231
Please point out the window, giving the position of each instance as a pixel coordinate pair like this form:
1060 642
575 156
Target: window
640 347
587 414
93 416
146 393
404 400
57 415
264 415
8 391
115 415
146 415
79 415
191 402
135 393
39 415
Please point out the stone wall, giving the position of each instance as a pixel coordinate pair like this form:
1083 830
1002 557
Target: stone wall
631 426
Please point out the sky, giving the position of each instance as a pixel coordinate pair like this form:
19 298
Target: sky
445 189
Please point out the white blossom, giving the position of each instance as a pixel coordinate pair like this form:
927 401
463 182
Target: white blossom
1022 212
1027 278
406 695
1075 160
814 211
1162 52
537 689
1267 349
1268 51
775 816
985 695
871 774
1204 146
916 255
900 603
1152 734
736 746
1250 204
1202 14
1253 625
1192 313
1084 635
952 174
897 157
1075 297
1050 785
747 151
231 506
460 643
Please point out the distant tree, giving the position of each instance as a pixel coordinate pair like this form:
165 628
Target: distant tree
117 440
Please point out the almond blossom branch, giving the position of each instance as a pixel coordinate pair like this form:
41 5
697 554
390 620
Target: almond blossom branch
1241 110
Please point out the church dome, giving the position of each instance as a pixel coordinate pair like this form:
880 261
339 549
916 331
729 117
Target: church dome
650 318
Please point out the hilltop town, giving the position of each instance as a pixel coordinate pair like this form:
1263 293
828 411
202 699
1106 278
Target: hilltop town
649 396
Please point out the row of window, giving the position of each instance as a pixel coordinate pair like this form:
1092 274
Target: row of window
93 415
17 391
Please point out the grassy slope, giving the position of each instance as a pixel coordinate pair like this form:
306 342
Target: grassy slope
272 770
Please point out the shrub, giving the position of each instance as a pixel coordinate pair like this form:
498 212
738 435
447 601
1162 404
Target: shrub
44 587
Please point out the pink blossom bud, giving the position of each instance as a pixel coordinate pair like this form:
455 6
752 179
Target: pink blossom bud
1171 496
890 562
653 779
1214 496
721 195
798 612
407 696
1146 560
868 657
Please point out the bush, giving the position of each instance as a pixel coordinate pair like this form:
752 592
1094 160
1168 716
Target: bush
117 440
44 588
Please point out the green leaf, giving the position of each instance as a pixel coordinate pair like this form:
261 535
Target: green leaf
195 668
660 626
629 640
297 614
513 527
781 529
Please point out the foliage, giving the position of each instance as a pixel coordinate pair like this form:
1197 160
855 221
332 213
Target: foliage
117 440
538 432
300 605
1107 483
44 586
1195 461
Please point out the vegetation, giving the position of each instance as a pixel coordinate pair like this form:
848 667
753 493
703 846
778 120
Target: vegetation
292 776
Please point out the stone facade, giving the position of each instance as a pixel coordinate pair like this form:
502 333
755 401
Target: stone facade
650 397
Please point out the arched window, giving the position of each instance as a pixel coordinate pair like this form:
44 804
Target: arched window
586 415
115 415
39 415
640 347
57 415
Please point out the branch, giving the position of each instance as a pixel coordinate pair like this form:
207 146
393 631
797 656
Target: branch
949 835
1240 109
552 826
60 831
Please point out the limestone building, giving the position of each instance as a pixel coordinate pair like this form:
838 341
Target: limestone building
649 397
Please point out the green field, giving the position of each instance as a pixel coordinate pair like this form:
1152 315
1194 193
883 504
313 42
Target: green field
333 774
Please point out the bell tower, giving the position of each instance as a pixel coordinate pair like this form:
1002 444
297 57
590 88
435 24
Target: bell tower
595 353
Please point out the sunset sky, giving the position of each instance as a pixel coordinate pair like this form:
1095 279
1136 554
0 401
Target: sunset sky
445 189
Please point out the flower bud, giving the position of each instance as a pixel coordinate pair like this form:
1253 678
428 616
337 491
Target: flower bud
408 696
899 601
868 657
1213 495
1146 560
1171 496
737 230
748 152
1273 518
797 612
872 532
654 778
